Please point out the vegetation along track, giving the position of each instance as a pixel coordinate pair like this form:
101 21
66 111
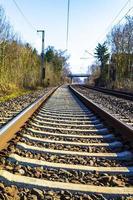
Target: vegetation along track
64 151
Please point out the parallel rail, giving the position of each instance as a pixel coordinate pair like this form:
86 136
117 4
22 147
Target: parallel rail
122 129
8 131
67 122
117 93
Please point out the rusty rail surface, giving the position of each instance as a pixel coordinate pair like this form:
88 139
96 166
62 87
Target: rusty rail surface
125 131
8 130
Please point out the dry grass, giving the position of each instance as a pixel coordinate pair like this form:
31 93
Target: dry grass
11 91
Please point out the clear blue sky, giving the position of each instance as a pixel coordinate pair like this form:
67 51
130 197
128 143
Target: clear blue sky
88 22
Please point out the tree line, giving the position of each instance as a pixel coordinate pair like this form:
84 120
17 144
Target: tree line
20 63
56 66
114 66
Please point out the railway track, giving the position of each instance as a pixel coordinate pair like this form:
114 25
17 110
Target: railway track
11 108
118 107
117 93
64 151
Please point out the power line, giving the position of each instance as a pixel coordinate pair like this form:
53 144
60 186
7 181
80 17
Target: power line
67 31
26 19
122 17
125 15
116 18
117 15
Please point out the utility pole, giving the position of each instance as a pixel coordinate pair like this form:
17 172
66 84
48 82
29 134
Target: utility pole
42 69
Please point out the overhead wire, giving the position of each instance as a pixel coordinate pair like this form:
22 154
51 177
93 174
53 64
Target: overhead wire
116 18
125 15
25 18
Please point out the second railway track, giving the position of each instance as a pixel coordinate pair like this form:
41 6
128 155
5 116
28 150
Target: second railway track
117 93
66 151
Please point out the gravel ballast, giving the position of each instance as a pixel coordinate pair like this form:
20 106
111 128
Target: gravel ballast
117 106
11 108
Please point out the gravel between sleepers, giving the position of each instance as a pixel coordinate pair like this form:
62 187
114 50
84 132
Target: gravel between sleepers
12 192
70 176
81 160
58 130
68 147
71 139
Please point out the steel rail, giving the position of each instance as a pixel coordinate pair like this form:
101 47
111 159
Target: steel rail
117 93
121 129
8 130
